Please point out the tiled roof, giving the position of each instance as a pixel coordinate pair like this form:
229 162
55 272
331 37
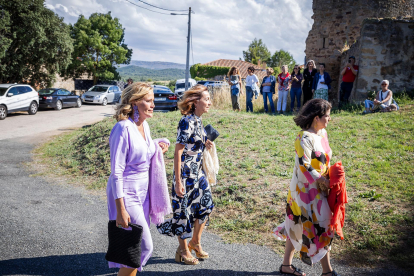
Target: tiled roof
242 65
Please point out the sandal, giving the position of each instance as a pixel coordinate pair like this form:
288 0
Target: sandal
333 273
296 270
179 258
200 254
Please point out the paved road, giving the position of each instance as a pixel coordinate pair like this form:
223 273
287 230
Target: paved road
49 228
50 121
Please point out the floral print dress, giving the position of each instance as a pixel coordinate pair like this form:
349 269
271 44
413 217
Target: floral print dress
308 216
197 202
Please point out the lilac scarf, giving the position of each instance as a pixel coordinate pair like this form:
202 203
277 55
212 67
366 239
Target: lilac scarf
160 204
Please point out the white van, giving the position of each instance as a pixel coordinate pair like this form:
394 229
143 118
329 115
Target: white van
17 97
180 86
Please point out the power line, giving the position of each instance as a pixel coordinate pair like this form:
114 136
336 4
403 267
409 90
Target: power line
146 8
159 7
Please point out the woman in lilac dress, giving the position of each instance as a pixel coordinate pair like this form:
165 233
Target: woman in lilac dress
131 150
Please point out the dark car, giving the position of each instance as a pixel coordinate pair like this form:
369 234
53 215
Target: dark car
164 98
58 98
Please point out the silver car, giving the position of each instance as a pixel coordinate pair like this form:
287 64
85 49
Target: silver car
102 94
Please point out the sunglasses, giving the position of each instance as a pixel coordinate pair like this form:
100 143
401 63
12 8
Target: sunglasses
383 84
296 68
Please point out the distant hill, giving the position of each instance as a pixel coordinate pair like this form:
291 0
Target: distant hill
138 73
157 65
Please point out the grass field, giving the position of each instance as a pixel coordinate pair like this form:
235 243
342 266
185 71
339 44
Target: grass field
256 156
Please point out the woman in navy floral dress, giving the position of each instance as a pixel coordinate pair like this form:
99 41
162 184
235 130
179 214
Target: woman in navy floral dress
191 195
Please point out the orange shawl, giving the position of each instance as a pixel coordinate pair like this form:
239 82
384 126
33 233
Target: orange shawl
337 197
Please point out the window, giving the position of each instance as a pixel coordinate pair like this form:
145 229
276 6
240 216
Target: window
324 43
2 91
23 89
46 91
63 92
98 89
13 90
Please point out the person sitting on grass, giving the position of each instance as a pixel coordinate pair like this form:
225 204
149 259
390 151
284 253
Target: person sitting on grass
383 100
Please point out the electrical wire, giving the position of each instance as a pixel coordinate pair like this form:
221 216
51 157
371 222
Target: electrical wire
147 8
161 8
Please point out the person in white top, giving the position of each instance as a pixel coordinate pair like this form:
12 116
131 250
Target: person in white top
383 99
252 87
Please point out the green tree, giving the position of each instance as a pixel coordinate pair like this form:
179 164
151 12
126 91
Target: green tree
257 51
35 43
99 46
280 58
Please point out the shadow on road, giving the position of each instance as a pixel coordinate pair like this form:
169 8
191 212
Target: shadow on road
95 264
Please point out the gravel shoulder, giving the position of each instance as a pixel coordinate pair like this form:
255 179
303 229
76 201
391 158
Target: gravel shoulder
52 228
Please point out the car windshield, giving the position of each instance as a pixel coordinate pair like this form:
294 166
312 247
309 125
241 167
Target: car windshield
2 91
46 91
98 89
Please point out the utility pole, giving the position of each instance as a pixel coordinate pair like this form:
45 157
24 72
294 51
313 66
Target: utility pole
187 64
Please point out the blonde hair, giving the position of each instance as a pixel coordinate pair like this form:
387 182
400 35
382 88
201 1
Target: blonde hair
133 92
313 63
270 69
187 103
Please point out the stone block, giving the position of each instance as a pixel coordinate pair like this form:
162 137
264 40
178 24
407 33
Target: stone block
384 51
387 70
368 51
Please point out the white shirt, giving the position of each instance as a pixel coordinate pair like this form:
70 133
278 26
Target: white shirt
252 81
321 86
384 96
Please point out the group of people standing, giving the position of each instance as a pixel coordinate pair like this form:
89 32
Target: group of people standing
313 83
137 190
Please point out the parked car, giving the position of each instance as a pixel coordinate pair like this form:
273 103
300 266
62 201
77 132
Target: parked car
204 82
164 98
58 98
17 97
180 86
212 83
102 94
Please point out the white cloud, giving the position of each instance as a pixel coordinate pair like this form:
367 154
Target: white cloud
221 29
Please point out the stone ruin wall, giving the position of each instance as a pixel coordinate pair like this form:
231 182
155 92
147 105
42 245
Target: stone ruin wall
339 22
385 50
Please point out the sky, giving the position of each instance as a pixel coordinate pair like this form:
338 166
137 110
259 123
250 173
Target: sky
220 29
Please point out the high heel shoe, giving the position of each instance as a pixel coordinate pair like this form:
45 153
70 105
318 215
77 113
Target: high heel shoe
179 258
200 254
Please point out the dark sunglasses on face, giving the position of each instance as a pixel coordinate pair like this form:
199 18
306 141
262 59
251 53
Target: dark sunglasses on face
384 84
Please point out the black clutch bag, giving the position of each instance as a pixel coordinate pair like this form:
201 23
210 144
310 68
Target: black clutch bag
124 245
212 133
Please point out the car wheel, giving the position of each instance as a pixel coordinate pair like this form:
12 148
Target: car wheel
33 108
3 112
104 102
78 103
58 105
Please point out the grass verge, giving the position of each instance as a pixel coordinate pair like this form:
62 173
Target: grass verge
256 156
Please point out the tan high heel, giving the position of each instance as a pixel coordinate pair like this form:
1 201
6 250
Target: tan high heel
179 258
200 254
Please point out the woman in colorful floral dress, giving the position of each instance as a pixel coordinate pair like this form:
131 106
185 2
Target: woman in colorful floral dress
191 196
307 222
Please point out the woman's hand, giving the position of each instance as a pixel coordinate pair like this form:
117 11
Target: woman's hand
122 218
209 144
164 147
179 188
